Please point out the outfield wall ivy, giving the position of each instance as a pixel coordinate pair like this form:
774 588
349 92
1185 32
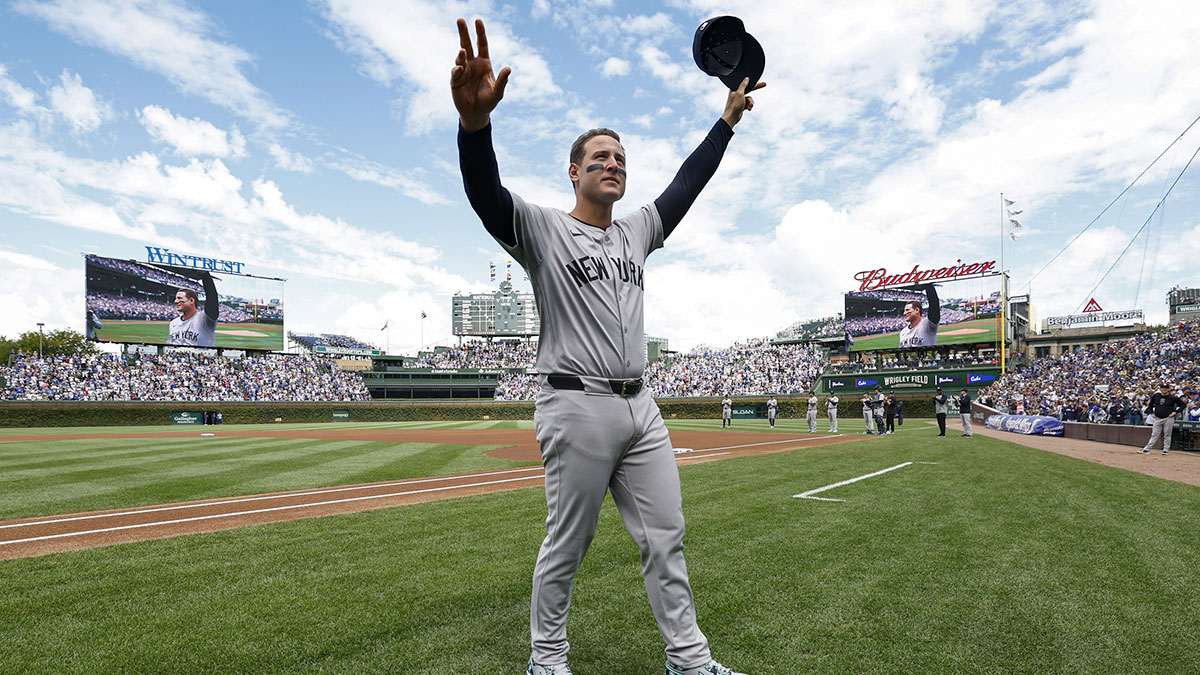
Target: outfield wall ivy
89 414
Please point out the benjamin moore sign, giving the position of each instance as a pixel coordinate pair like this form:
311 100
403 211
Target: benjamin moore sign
1096 317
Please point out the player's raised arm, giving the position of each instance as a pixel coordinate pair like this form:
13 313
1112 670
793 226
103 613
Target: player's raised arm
935 308
212 302
476 93
700 166
475 88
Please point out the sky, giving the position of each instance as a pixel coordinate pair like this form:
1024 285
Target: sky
315 141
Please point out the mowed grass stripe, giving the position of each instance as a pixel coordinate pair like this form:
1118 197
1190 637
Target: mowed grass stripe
997 559
230 467
38 456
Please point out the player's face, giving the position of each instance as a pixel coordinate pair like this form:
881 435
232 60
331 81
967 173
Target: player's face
183 302
606 183
911 314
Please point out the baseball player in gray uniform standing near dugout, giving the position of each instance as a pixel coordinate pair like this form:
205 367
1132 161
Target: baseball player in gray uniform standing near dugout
812 412
598 427
831 405
772 410
726 412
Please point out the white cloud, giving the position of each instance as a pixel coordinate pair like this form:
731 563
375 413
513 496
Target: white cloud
191 137
32 292
77 104
17 96
413 42
614 67
372 172
166 37
289 161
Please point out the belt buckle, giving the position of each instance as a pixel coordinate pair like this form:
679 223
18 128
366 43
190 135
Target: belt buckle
624 384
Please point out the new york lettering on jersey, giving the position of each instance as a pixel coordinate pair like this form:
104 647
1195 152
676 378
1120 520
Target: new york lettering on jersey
590 284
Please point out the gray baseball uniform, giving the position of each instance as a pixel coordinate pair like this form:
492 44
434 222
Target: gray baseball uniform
198 331
726 411
772 410
812 413
831 408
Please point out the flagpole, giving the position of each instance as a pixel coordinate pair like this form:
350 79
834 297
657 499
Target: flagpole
422 331
1003 294
388 325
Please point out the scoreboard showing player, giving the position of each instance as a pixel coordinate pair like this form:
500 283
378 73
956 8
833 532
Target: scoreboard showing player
504 313
923 316
154 304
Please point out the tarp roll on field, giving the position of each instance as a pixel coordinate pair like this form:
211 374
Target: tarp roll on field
1035 425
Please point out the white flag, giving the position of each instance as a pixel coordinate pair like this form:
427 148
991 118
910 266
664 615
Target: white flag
1015 235
1014 213
1009 202
1015 224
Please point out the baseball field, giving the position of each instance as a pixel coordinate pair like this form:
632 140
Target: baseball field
968 555
263 336
965 332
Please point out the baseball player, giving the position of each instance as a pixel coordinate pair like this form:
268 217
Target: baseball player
599 429
831 405
726 411
877 405
964 409
921 331
1162 408
193 328
940 407
868 413
812 412
772 410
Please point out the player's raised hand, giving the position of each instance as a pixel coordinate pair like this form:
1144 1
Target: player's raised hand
475 88
739 102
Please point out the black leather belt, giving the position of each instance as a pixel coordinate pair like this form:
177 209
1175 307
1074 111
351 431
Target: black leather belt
625 388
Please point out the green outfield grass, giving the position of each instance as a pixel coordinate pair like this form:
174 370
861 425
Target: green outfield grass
989 332
996 558
269 336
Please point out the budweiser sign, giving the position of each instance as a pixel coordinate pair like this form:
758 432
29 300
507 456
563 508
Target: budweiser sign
872 279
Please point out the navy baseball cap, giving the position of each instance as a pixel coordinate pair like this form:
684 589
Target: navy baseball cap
722 48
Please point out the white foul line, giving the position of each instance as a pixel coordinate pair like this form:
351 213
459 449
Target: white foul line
810 493
280 508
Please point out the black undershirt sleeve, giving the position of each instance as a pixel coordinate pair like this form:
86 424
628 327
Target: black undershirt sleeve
212 302
700 166
481 179
935 309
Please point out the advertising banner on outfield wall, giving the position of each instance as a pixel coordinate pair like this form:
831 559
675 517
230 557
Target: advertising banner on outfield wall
187 417
154 304
910 382
1034 425
949 312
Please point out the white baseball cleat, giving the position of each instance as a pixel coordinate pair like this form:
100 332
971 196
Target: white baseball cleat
555 669
710 668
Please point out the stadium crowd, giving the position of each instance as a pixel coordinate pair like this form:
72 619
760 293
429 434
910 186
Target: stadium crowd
109 306
148 272
745 368
1110 383
178 376
329 340
811 329
481 354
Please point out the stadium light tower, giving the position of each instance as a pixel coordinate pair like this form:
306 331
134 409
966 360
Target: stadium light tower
40 339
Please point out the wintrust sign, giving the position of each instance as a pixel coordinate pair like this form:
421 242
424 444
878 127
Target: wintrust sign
870 280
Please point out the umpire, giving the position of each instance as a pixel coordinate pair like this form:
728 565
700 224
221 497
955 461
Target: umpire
1163 407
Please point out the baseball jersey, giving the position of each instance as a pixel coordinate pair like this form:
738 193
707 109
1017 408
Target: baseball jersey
924 335
832 403
812 402
198 331
726 403
772 405
588 283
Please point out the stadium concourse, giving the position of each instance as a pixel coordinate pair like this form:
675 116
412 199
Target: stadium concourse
1107 383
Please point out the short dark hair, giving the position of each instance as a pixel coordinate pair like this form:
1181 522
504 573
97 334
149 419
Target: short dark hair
191 294
577 146
916 305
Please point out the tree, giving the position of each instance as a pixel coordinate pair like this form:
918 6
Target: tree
54 343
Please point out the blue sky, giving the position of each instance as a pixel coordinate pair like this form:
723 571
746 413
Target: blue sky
316 141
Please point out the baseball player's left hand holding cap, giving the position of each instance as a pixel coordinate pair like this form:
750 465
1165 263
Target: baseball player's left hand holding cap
722 48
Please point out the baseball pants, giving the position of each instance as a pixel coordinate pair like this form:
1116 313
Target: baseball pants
966 422
726 418
595 442
1162 429
870 420
771 414
812 421
941 418
891 423
833 419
